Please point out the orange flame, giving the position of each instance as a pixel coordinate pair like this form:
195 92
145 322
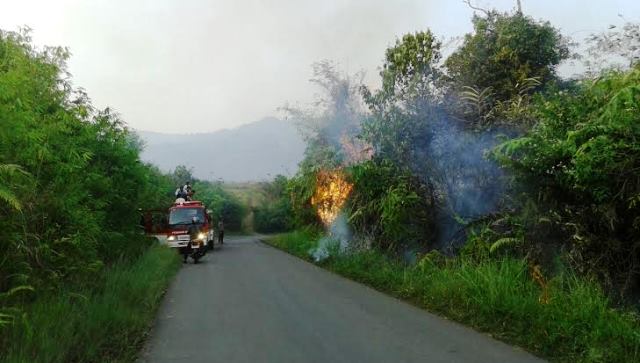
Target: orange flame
332 191
538 277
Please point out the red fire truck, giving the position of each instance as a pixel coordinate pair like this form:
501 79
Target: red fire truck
172 228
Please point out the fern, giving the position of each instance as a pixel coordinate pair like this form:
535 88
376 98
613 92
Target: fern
7 315
479 100
12 169
9 198
503 242
15 290
6 195
5 319
527 85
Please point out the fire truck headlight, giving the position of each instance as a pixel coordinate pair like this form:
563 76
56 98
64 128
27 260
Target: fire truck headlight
171 238
201 236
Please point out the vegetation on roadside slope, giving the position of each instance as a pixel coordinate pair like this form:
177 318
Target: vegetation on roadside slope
273 213
566 319
581 160
483 186
107 322
76 176
78 281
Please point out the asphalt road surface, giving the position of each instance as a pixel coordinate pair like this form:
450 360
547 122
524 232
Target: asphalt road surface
248 302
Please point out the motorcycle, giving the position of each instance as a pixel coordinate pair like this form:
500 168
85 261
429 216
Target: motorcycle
196 248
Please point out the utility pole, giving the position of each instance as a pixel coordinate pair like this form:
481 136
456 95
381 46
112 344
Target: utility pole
519 7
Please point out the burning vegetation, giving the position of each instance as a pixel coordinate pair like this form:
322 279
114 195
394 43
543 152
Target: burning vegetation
490 165
444 156
332 191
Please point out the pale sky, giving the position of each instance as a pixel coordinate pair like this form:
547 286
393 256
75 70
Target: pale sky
202 65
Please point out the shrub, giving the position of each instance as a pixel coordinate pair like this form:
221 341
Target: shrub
582 160
390 204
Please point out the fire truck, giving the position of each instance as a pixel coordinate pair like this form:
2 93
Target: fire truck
172 227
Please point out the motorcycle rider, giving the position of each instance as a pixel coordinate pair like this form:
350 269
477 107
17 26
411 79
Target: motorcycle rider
194 231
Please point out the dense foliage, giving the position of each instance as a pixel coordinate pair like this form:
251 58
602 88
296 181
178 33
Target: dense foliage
403 113
559 190
504 51
78 281
582 161
275 212
71 181
389 205
224 205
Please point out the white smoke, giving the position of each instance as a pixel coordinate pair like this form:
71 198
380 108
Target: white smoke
337 240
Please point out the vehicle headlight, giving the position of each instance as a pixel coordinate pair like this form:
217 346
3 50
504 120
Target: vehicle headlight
201 235
171 238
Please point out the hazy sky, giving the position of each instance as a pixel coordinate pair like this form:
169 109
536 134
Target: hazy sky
202 65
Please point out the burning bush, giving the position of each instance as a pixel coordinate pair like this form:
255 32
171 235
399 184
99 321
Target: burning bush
332 191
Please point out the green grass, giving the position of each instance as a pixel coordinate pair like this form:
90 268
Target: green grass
108 325
578 324
298 242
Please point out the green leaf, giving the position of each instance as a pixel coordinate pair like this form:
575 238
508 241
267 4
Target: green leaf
9 198
503 242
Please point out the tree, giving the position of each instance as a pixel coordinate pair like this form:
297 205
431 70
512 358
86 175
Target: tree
182 174
403 111
503 52
275 213
333 119
410 67
79 182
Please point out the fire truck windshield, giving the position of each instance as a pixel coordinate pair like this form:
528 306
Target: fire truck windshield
184 215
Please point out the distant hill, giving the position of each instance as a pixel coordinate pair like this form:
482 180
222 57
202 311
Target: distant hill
252 152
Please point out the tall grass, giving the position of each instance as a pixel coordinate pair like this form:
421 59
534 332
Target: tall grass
104 325
576 324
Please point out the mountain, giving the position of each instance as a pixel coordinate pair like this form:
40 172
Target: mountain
252 152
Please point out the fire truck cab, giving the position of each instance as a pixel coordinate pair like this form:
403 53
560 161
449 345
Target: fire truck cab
180 218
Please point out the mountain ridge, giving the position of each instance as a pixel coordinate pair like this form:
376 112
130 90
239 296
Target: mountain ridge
251 152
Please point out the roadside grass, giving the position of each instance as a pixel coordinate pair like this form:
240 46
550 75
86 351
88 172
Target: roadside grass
497 296
105 325
297 242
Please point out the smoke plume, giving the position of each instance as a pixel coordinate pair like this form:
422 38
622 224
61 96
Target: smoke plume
467 183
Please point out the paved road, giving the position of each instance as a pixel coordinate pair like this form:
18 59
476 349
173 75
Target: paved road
249 302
